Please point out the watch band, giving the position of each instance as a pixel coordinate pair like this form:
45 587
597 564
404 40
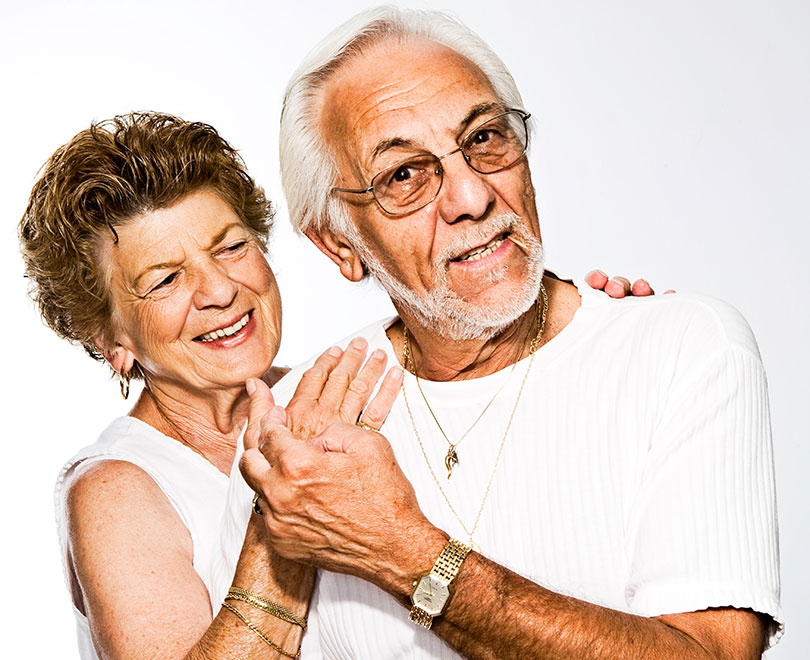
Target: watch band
449 562
420 617
446 568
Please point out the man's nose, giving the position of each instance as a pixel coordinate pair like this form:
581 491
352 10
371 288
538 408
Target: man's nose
214 287
465 194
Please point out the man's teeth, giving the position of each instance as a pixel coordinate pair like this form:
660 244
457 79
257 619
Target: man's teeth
484 250
226 332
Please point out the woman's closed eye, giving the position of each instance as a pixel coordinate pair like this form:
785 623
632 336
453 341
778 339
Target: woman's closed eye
165 282
233 247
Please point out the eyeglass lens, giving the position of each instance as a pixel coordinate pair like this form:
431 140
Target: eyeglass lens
414 182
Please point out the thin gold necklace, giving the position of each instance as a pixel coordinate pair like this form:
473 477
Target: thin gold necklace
451 458
542 311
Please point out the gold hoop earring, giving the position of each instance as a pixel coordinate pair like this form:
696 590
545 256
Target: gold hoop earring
123 381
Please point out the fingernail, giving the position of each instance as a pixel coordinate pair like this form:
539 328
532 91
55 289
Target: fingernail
378 354
335 351
250 386
359 342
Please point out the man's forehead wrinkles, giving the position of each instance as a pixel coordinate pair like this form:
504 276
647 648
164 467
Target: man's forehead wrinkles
413 107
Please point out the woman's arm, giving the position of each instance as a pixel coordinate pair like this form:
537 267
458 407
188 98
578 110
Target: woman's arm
133 559
133 556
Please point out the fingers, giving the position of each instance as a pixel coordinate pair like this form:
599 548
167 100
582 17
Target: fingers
642 288
261 404
340 438
254 467
596 279
275 438
361 387
617 287
344 374
378 408
314 378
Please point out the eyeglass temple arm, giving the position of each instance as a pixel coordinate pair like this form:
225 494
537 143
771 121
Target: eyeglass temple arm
357 191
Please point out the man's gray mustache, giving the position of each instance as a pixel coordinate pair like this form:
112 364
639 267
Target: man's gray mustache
485 231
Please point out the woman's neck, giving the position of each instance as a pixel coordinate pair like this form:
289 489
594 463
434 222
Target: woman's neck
209 425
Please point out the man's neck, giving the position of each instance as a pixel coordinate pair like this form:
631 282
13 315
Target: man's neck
441 359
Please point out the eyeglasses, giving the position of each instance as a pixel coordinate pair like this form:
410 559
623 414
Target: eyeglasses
412 183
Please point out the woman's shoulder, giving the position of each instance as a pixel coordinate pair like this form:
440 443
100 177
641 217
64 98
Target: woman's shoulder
114 487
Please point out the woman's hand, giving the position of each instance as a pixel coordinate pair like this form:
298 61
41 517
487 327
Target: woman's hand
336 388
618 286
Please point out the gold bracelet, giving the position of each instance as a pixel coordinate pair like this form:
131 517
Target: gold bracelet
262 603
261 635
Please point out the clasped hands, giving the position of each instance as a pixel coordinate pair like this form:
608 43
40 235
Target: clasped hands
332 493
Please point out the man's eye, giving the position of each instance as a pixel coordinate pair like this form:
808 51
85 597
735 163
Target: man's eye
482 136
402 174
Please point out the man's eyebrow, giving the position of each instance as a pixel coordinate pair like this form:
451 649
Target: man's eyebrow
390 143
478 110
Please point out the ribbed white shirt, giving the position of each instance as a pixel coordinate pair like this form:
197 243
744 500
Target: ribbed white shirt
637 474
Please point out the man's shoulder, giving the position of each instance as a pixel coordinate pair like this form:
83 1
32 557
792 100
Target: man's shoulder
685 316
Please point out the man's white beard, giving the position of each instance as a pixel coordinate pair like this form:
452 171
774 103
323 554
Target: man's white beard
445 312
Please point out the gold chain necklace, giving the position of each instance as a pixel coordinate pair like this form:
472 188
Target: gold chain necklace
542 311
451 458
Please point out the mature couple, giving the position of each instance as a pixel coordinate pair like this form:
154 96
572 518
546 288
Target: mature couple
554 474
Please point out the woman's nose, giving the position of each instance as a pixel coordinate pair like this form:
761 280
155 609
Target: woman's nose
214 287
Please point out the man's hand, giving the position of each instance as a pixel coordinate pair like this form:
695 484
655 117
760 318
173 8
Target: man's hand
338 501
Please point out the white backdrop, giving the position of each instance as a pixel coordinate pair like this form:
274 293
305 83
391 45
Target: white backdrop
673 143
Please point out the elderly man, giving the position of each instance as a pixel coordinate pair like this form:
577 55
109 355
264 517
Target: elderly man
605 466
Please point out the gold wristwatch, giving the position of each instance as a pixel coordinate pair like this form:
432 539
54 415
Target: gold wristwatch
432 591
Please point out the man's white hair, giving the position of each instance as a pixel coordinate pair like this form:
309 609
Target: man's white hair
308 169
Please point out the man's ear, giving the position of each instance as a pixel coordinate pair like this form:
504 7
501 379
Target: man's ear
339 250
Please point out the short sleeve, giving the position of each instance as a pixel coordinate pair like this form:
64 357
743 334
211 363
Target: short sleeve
703 527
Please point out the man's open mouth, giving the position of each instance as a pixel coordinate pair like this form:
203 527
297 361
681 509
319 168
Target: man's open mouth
482 251
230 331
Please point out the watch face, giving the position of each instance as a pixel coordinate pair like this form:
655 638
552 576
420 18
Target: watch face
431 594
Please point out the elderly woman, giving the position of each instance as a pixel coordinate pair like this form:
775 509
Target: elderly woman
144 241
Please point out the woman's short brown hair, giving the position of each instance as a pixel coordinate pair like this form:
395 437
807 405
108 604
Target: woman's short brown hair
105 176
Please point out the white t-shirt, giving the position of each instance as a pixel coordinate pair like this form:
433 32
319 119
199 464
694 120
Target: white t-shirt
637 474
195 488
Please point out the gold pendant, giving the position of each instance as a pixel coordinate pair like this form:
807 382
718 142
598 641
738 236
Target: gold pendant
475 547
450 460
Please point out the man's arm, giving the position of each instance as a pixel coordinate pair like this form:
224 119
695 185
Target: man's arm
344 505
496 613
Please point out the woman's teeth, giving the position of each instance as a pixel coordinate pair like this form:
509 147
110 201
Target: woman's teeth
484 250
226 332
